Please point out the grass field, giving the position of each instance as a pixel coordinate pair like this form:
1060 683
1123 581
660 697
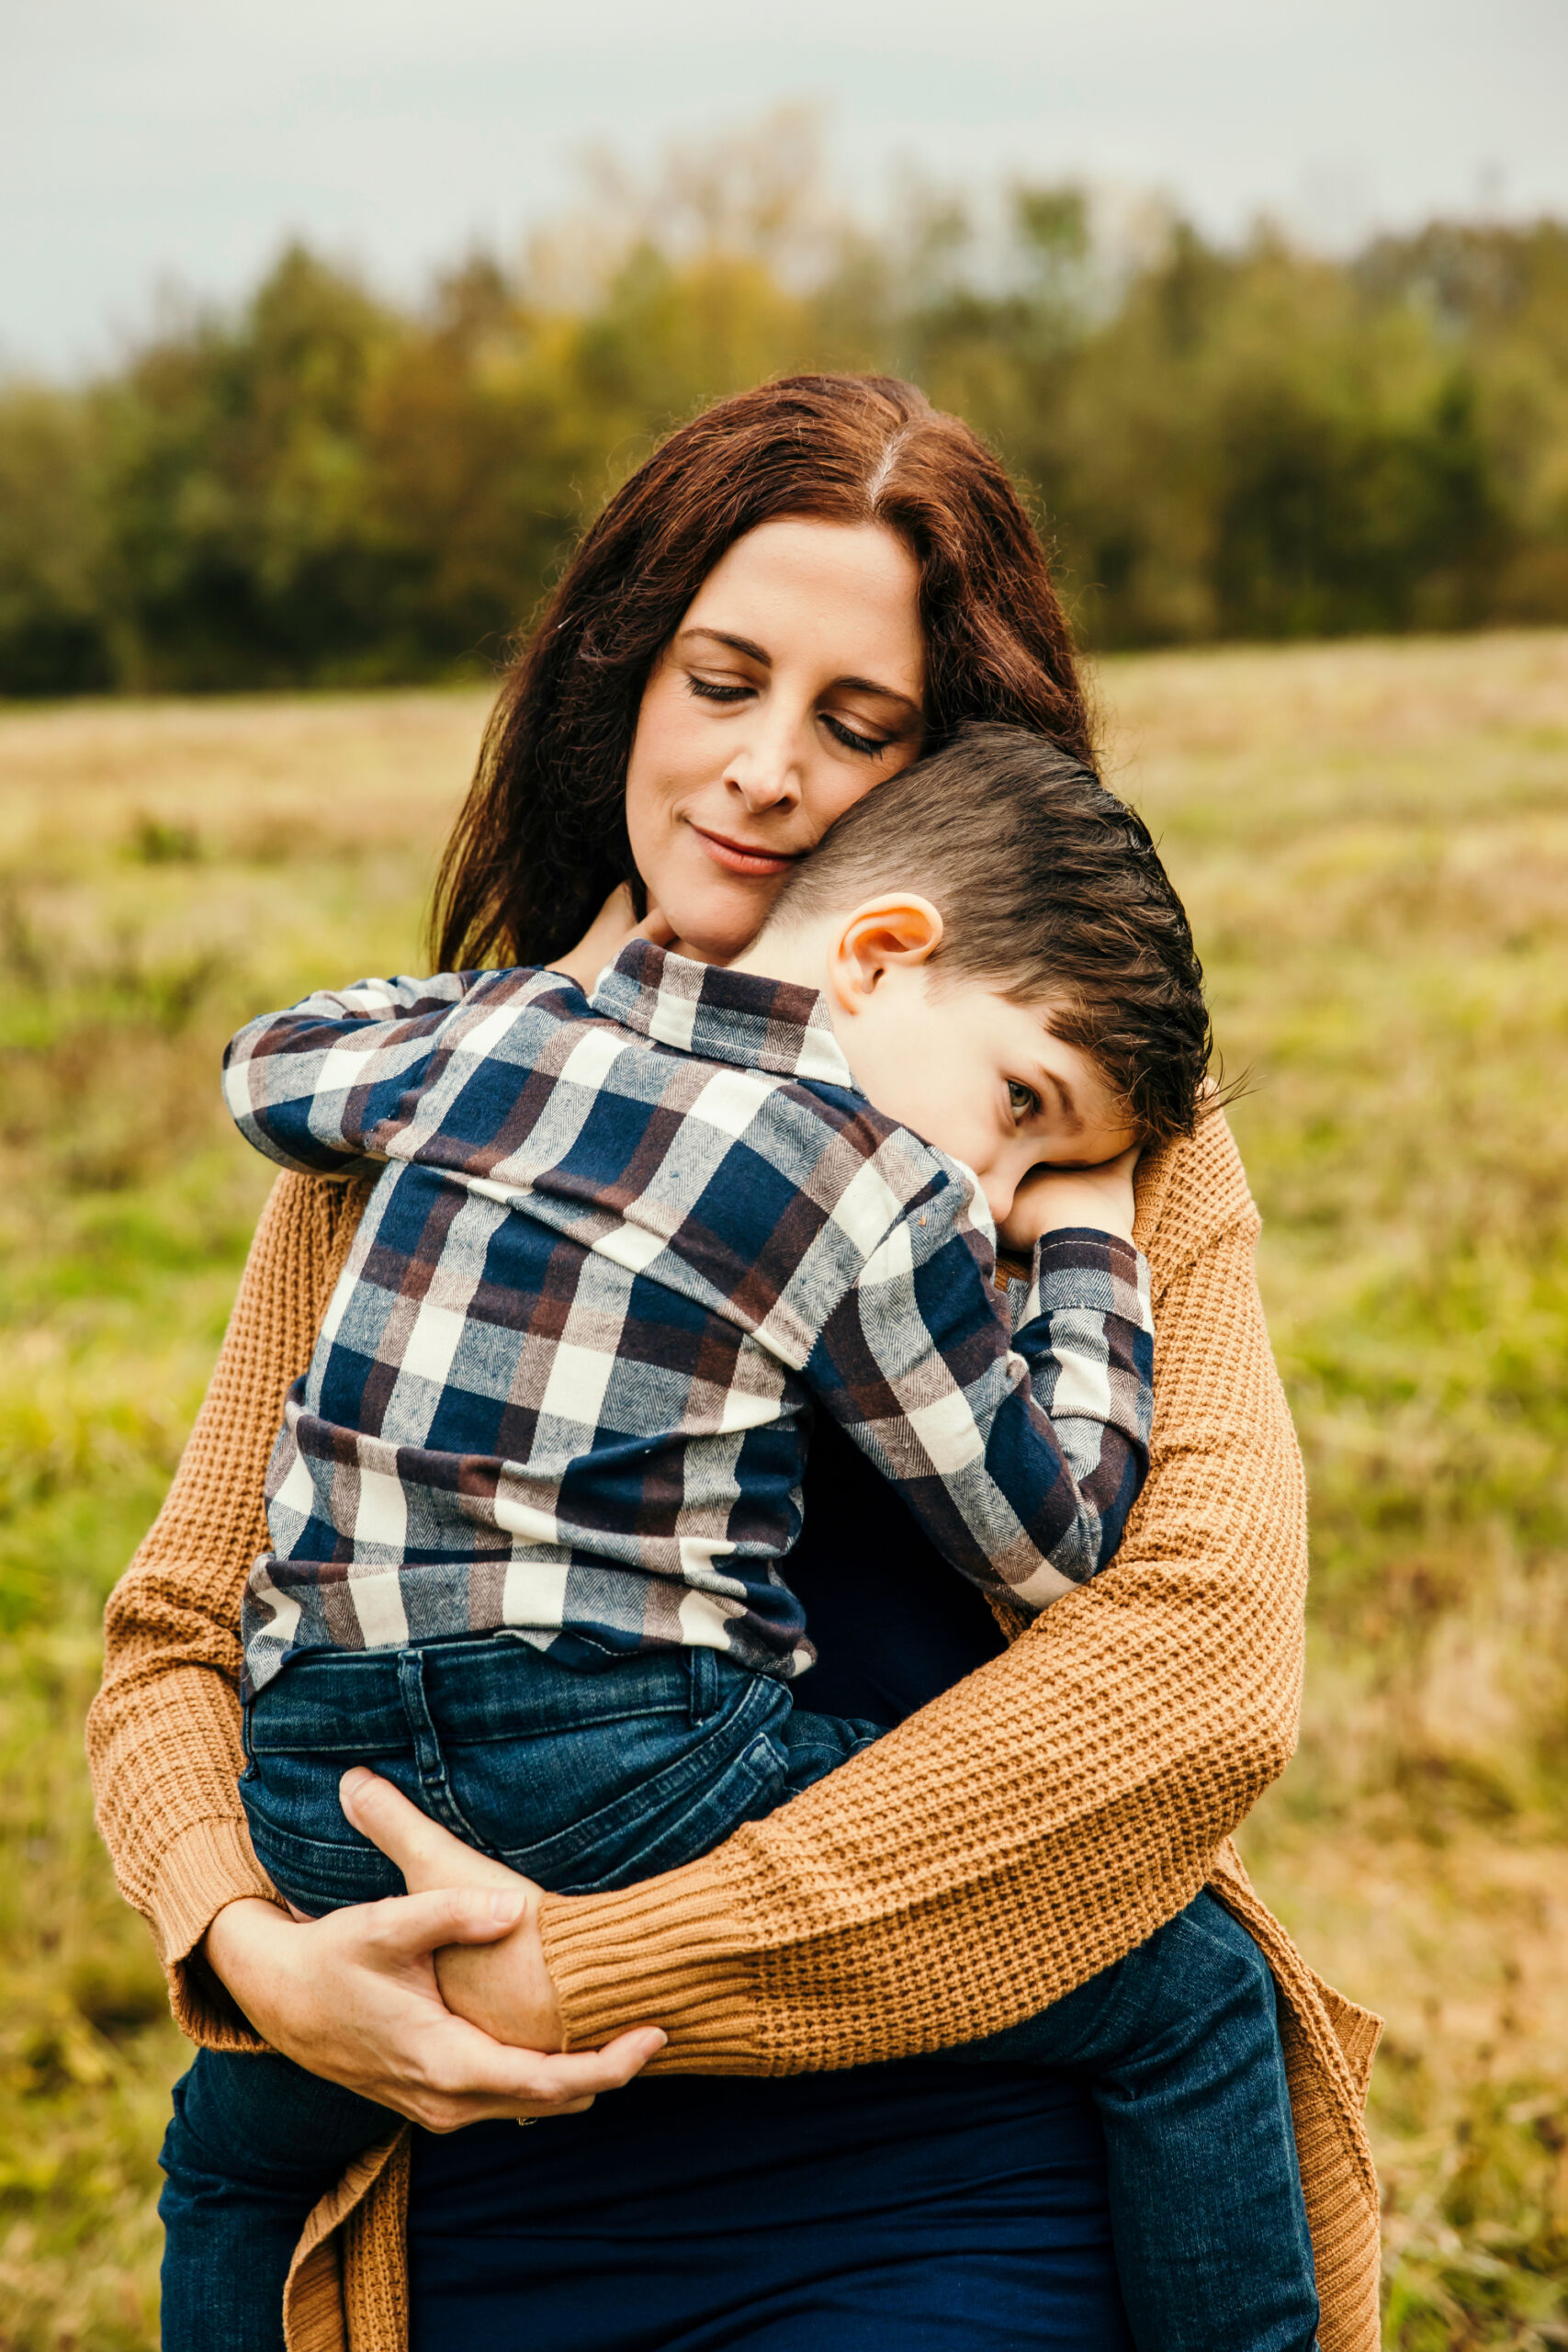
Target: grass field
1374 841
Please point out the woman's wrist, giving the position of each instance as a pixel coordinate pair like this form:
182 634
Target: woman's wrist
242 1950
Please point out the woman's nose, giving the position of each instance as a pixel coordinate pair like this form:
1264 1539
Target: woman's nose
765 771
763 787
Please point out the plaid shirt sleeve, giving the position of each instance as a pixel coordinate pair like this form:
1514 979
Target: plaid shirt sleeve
318 1088
1021 1452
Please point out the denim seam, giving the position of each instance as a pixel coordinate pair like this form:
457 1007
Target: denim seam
429 1760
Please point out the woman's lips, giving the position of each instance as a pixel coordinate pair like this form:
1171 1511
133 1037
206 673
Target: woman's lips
743 857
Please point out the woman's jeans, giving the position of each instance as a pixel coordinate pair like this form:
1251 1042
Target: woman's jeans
590 1780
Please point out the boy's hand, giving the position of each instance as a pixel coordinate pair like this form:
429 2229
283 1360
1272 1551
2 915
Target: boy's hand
1050 1198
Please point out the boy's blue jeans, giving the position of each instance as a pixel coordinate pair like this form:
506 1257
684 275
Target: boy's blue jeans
589 1781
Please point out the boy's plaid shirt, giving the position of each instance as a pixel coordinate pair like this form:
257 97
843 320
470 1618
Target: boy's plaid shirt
621 1248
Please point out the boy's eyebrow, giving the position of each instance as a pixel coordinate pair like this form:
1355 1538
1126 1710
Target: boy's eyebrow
1063 1093
759 653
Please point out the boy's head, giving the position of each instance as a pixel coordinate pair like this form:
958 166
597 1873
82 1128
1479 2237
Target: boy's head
1008 969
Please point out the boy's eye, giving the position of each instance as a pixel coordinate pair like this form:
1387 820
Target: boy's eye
1023 1100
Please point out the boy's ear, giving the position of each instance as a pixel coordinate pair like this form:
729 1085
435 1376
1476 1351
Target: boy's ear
900 927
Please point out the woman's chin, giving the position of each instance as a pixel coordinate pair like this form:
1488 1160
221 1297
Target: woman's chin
705 951
709 934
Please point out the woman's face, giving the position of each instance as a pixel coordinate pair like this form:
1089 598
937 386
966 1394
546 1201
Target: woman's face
791 687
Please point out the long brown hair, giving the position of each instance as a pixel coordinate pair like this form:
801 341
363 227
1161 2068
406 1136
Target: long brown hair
541 838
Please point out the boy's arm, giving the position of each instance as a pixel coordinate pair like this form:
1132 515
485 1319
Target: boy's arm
1021 1454
319 1087
1084 1326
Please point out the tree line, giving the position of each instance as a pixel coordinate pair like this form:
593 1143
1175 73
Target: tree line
324 486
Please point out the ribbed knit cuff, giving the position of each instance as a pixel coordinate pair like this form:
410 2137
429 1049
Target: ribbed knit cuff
661 1953
205 1867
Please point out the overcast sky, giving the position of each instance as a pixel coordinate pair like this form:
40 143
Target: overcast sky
184 139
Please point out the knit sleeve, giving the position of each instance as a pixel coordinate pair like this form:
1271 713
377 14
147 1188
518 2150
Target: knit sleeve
163 1732
1043 1817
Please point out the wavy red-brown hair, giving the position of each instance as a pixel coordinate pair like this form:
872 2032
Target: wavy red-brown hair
542 839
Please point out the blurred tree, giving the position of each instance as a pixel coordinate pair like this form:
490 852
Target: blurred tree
52 639
1501 296
234 490
1248 441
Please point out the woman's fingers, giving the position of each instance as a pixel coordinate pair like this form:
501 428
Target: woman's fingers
552 2081
427 1855
514 2000
466 2077
413 1927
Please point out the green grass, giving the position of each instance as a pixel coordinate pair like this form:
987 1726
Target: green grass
1374 841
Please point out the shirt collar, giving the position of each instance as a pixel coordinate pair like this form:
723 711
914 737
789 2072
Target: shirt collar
721 1015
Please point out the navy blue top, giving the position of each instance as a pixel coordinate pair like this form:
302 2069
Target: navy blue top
926 2206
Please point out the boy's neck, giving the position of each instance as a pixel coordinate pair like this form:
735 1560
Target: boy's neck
796 953
799 954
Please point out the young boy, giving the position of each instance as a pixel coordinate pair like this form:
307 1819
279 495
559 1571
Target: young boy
532 1505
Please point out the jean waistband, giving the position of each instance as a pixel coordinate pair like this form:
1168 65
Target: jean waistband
492 1685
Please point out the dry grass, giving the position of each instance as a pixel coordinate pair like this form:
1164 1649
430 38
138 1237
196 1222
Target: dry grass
1374 841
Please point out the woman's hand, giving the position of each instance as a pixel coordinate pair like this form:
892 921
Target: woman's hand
1050 1198
500 1984
355 1998
615 923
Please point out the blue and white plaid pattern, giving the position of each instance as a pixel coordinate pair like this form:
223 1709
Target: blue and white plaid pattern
621 1248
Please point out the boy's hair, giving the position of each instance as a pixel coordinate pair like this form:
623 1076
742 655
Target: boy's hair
1049 888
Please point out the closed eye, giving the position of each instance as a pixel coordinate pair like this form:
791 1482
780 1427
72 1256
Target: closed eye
868 746
711 690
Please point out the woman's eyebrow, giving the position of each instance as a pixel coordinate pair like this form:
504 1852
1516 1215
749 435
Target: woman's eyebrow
737 644
756 653
887 694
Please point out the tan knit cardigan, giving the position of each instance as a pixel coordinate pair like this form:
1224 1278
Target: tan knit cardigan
1010 1839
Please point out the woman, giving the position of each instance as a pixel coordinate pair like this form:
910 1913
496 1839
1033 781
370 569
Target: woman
797 593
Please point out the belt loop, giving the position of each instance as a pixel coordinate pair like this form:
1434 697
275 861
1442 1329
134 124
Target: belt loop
703 1670
434 1783
429 1761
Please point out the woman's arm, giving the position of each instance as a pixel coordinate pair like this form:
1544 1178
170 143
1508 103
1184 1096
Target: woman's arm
163 1732
1029 1826
353 1997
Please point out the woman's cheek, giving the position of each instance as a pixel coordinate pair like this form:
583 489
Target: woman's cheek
662 847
